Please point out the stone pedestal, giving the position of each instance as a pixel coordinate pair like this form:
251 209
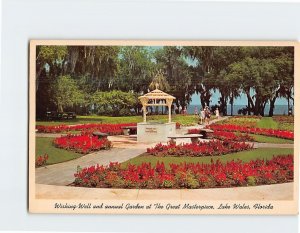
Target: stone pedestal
155 132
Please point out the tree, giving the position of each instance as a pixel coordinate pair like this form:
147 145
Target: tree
227 85
203 57
258 75
172 62
161 81
98 64
49 64
66 93
136 68
114 102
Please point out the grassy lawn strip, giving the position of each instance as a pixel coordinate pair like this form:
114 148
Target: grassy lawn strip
246 156
266 139
184 120
56 155
267 123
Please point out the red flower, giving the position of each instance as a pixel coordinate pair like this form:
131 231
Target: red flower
188 175
82 143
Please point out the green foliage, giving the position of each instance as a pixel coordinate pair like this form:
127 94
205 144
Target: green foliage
173 65
262 73
51 53
135 69
66 93
160 81
251 181
114 102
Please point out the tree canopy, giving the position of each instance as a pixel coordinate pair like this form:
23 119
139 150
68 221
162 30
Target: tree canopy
109 79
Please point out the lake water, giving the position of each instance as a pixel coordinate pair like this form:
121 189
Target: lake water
279 109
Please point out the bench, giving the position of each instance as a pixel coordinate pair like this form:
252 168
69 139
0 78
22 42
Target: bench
194 137
128 130
100 135
207 133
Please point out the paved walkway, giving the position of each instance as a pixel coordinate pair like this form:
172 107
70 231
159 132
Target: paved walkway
50 135
272 145
63 173
265 192
184 130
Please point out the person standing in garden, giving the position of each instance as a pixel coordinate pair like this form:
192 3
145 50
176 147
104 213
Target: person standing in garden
202 116
217 112
207 115
196 111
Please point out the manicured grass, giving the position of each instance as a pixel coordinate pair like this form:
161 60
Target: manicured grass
264 122
182 119
266 139
267 122
44 145
245 156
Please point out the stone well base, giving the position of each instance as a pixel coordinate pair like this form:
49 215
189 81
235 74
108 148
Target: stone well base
155 132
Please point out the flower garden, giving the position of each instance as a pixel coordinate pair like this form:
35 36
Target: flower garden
188 175
83 144
111 129
211 148
227 160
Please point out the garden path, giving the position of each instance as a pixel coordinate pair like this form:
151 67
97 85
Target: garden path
63 173
184 129
272 145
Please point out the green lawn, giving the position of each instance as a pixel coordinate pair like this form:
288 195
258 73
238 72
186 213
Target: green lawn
266 139
44 145
267 122
184 120
264 122
246 156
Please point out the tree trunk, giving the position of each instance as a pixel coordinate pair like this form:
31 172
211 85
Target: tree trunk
60 108
272 106
251 104
262 108
231 103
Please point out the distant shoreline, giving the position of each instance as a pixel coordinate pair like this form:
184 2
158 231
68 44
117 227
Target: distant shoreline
278 110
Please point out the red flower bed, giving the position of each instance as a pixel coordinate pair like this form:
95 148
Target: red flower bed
83 144
224 135
267 132
284 119
188 175
211 148
112 129
41 160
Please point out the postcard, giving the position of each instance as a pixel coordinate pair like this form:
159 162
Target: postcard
163 127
